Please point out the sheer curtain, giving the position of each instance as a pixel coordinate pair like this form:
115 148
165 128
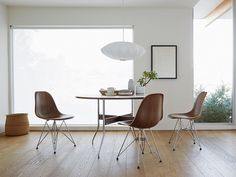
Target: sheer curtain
68 62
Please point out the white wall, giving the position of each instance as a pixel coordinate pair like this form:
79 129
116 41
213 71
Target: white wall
151 26
234 60
3 66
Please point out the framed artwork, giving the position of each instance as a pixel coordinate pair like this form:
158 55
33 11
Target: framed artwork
164 61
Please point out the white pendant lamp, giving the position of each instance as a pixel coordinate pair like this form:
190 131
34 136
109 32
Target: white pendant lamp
122 50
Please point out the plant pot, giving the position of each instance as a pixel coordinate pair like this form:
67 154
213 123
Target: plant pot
140 89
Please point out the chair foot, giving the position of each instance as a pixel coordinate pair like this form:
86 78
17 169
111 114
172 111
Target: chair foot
74 145
54 152
37 148
138 167
160 161
117 158
169 142
98 156
173 149
142 152
200 149
194 142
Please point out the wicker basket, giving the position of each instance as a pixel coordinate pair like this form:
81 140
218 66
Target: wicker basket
17 124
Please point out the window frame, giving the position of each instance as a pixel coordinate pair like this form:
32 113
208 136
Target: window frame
11 57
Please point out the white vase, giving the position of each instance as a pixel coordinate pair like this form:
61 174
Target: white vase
140 89
131 85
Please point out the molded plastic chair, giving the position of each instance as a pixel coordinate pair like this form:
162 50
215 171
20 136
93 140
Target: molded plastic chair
149 114
190 116
45 108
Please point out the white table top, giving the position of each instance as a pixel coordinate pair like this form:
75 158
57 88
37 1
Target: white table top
117 97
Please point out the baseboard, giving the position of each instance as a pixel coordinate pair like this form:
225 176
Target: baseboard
92 127
84 127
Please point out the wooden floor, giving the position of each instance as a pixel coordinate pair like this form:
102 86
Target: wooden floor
18 157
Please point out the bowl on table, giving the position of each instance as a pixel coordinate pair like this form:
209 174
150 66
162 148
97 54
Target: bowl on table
105 93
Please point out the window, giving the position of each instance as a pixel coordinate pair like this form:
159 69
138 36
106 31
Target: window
67 62
213 66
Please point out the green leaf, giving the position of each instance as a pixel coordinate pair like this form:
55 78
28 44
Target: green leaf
146 77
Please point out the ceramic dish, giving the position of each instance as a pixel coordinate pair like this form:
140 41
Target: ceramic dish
110 94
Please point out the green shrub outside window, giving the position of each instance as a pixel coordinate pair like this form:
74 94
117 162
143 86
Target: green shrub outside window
217 106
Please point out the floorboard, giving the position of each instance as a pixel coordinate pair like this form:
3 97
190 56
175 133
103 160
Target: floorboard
19 158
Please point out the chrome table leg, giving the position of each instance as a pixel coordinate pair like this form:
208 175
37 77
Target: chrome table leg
98 125
103 127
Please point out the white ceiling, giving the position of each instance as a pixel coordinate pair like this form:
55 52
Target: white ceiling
101 3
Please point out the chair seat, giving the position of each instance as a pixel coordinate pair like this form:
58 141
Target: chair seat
149 114
182 116
189 117
45 108
60 117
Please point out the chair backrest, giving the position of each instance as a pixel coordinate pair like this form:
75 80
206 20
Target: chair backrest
197 107
150 111
45 106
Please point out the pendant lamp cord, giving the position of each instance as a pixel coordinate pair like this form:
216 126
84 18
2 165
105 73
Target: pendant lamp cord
123 34
123 29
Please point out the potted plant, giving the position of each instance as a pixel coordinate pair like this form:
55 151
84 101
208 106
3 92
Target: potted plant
146 77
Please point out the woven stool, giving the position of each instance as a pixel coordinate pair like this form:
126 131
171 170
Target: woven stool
17 124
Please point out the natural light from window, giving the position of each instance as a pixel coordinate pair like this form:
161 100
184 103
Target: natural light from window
67 63
213 67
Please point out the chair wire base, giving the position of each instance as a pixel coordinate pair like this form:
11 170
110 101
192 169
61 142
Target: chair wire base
54 131
179 128
141 139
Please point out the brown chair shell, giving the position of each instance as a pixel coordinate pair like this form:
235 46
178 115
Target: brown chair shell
196 111
45 107
190 116
150 112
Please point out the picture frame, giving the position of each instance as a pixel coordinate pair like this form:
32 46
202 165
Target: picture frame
164 61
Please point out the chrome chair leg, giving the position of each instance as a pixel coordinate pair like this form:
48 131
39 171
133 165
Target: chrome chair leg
143 140
154 141
54 135
54 131
139 144
177 136
68 131
196 135
147 140
191 132
40 138
133 132
173 132
120 151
